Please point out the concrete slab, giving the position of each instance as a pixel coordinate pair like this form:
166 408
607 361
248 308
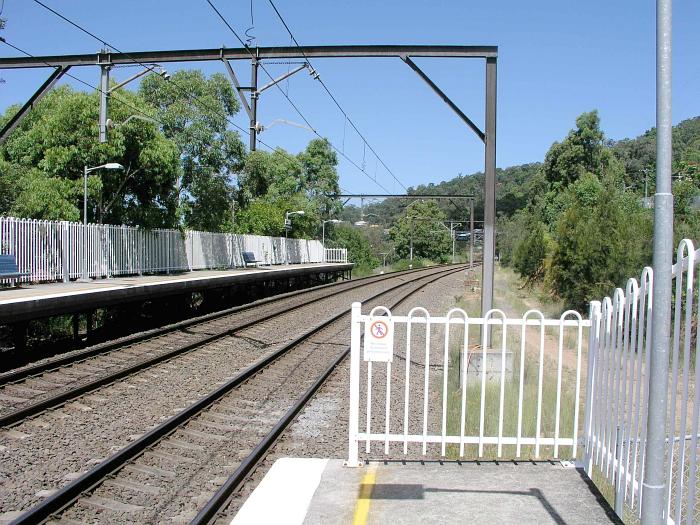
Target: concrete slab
33 301
400 493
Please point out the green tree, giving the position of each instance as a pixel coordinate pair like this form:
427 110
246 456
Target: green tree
319 175
582 151
265 216
422 222
195 112
601 239
358 246
44 157
531 250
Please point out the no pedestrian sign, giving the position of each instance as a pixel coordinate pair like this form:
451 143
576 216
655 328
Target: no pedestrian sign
379 339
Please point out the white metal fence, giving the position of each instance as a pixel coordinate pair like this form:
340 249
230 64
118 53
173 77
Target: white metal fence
536 390
491 411
617 399
52 251
336 255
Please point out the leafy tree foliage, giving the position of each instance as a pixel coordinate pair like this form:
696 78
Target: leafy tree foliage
598 241
43 161
422 223
277 182
531 249
359 248
195 111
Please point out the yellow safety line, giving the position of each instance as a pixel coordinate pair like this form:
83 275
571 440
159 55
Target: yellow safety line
365 496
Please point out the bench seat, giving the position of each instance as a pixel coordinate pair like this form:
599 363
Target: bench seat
249 258
9 269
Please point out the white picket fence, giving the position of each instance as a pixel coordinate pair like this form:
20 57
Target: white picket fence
336 255
596 408
55 251
618 393
446 424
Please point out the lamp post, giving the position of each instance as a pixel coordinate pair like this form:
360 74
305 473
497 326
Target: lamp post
287 227
86 170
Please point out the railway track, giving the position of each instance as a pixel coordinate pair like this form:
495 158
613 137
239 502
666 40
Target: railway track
27 392
211 446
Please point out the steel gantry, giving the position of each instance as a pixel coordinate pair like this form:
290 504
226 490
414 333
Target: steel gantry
108 59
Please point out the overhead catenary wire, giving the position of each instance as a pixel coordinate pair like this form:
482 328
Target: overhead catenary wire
77 79
291 102
151 67
195 97
333 98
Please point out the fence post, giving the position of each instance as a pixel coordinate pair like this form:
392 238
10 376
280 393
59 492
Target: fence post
65 255
141 250
167 252
353 460
618 480
593 337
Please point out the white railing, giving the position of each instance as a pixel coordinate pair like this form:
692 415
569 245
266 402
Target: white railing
481 412
336 255
617 398
52 251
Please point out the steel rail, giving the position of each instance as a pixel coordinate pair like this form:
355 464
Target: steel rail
220 500
91 479
109 346
62 397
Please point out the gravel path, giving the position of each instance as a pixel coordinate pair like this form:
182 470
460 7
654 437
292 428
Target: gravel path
40 455
321 429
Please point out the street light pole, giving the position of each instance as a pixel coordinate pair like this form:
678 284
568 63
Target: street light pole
287 227
85 235
110 166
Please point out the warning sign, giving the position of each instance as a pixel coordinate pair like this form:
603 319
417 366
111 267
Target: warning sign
379 339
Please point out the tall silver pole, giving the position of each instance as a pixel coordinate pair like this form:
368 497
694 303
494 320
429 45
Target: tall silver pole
471 234
452 231
104 87
490 190
253 103
411 256
654 484
85 235
323 234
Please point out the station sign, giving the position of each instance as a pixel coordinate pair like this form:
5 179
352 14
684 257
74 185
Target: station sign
379 339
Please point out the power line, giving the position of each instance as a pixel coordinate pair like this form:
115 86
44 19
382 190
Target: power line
184 90
291 102
121 101
151 68
325 87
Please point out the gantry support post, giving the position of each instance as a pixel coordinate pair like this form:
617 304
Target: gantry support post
253 103
489 250
104 97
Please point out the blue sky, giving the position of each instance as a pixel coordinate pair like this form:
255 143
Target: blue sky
556 60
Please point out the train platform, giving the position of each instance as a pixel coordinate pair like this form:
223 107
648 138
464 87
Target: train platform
35 301
322 491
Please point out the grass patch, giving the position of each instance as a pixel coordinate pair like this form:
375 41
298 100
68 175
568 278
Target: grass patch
511 393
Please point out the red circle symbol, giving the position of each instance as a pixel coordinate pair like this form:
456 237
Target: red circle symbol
379 329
